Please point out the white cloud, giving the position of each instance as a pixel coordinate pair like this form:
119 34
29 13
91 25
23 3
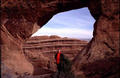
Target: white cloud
65 32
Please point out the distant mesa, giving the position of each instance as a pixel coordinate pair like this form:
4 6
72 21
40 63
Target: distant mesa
54 36
44 37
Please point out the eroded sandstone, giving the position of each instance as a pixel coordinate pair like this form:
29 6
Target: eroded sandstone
41 51
19 16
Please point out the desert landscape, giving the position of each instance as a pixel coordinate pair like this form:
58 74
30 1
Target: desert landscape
41 50
20 58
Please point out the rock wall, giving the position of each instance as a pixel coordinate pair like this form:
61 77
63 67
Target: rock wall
103 68
20 16
12 54
41 51
70 47
106 35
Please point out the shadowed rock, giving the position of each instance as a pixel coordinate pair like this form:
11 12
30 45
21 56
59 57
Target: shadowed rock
104 68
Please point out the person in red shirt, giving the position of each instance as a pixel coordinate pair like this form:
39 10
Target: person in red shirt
63 64
59 59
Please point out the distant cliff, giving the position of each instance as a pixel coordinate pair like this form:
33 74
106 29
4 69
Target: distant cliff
41 50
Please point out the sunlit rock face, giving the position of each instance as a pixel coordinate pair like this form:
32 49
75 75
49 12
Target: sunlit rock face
20 16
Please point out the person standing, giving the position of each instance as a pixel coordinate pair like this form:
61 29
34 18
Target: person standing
63 65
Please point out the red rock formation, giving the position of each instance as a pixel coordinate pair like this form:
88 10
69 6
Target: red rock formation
104 68
19 16
106 34
12 52
41 51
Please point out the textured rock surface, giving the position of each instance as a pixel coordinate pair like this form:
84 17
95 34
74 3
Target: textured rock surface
6 72
12 54
41 51
20 16
106 35
104 68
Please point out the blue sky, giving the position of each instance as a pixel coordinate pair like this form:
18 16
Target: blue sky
76 23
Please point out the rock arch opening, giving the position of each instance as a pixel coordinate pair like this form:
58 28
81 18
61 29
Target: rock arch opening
68 31
73 24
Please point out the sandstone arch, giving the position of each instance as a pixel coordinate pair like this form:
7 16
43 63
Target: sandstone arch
19 16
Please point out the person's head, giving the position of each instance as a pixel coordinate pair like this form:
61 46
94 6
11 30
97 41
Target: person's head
59 51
